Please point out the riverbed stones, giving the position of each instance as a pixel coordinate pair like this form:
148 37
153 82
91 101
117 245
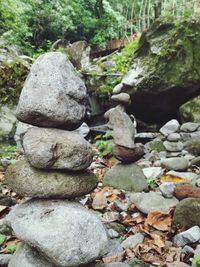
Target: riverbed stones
189 127
121 98
171 126
64 232
128 177
190 236
53 94
31 182
57 149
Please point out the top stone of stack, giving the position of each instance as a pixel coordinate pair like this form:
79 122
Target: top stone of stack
53 94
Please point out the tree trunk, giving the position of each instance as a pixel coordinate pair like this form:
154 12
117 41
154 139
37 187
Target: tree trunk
157 8
197 8
99 8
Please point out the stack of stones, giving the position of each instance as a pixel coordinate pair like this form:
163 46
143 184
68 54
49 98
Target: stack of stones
127 175
124 130
179 142
55 231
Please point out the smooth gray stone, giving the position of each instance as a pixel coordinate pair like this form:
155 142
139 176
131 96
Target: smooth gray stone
133 240
173 137
5 259
47 148
25 256
53 94
174 163
192 235
151 201
189 127
173 146
31 182
64 232
171 126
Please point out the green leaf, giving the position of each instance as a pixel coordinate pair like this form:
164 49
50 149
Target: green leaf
2 239
11 248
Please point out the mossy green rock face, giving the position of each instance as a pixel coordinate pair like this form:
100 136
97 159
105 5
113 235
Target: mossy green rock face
165 71
193 147
187 213
190 111
128 177
13 72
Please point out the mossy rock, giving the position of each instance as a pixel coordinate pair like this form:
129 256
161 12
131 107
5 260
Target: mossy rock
190 111
165 70
193 147
13 72
156 145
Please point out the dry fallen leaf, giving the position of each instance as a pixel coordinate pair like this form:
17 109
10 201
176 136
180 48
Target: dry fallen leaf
99 201
159 220
115 258
172 178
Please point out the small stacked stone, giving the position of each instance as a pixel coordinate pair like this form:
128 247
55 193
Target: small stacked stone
55 231
178 139
124 176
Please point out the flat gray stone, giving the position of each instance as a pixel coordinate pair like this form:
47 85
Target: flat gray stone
167 189
53 94
152 172
173 146
117 89
64 232
189 127
171 126
133 240
47 148
174 163
31 182
25 256
173 137
121 98
151 201
190 236
128 177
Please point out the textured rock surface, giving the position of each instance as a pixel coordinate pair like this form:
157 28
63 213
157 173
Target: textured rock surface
157 81
187 212
29 181
128 177
7 122
152 201
192 235
27 257
61 94
170 127
176 164
127 154
64 232
123 127
57 149
186 190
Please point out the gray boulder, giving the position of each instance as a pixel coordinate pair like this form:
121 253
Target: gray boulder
176 164
64 232
157 81
123 127
53 94
25 256
187 213
21 129
57 149
128 177
29 181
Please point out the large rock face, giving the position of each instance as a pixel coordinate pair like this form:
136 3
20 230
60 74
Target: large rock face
64 232
28 181
57 149
53 94
165 71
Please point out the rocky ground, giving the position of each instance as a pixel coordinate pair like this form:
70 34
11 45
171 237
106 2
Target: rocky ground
150 207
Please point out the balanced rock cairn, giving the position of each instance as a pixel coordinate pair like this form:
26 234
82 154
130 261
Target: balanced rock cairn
55 231
124 130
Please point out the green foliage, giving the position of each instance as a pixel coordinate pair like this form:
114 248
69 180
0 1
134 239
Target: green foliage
196 260
10 249
102 144
2 239
8 151
152 183
123 59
